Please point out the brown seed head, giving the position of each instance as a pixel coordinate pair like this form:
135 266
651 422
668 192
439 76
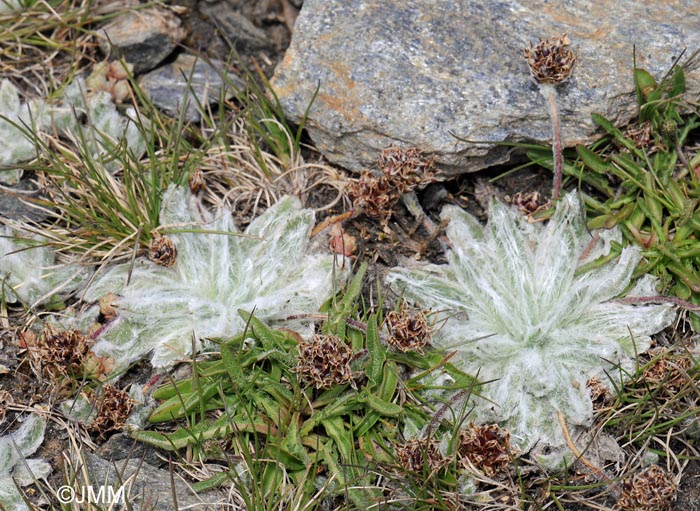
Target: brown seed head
375 196
407 169
324 361
401 171
61 352
652 489
162 251
114 406
417 454
196 181
408 331
529 203
485 447
550 61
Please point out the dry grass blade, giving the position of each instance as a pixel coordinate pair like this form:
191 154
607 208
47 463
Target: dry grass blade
43 44
242 176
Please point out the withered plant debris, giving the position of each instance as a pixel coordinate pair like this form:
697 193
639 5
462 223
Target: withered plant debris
642 137
341 242
667 373
324 361
485 447
652 489
400 171
6 400
107 306
408 330
551 61
599 392
550 64
162 250
420 453
113 408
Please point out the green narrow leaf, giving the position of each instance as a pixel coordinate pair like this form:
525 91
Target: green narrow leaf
385 408
390 380
180 405
677 82
171 389
644 84
377 352
592 160
260 330
346 305
342 437
231 364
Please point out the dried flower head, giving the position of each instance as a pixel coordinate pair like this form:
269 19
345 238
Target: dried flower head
408 331
324 361
196 181
162 251
113 408
485 447
401 171
652 489
374 195
420 453
59 352
407 169
551 61
528 203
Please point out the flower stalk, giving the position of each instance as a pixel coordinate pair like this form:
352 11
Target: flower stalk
550 64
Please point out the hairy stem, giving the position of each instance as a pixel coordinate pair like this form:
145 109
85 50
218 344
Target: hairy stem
550 95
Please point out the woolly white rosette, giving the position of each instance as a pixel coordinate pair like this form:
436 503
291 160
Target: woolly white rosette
29 272
217 272
527 317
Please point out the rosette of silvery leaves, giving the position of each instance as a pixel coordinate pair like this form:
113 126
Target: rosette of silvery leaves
29 270
21 125
525 312
266 270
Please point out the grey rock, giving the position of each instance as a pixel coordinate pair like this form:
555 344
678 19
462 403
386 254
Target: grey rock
235 28
191 80
15 202
410 73
120 446
142 37
146 487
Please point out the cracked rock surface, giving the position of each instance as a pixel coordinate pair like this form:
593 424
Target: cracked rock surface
394 72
